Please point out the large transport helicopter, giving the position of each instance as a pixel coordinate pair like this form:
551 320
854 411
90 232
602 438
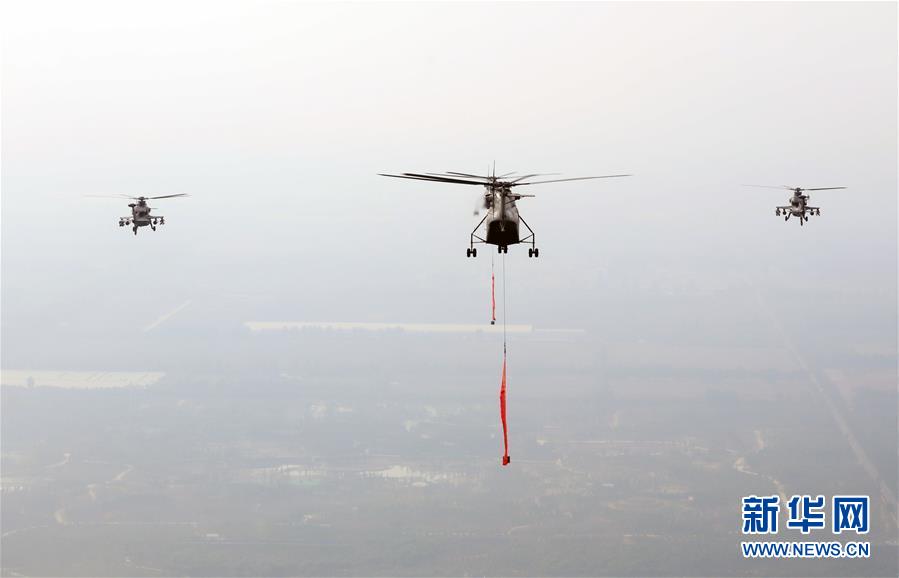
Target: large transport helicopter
502 218
798 206
140 211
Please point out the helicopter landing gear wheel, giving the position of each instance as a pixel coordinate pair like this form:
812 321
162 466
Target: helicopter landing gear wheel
530 252
153 227
536 252
134 229
777 212
474 252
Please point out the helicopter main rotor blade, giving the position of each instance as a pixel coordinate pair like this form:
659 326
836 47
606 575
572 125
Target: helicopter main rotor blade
466 175
433 179
563 180
771 187
443 179
136 198
825 189
456 176
491 180
532 176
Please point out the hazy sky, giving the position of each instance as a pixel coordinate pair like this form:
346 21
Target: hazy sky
709 320
276 117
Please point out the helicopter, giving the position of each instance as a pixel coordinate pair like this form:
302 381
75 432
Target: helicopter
798 206
140 211
502 216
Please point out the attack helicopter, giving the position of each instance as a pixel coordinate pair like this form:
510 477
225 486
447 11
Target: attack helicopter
502 217
798 206
140 211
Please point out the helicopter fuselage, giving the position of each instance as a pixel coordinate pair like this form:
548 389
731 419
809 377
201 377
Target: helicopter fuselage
140 214
502 223
502 218
798 207
140 217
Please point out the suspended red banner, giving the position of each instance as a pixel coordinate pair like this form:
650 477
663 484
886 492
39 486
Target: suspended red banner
502 414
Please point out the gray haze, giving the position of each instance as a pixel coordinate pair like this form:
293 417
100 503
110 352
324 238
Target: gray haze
709 350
